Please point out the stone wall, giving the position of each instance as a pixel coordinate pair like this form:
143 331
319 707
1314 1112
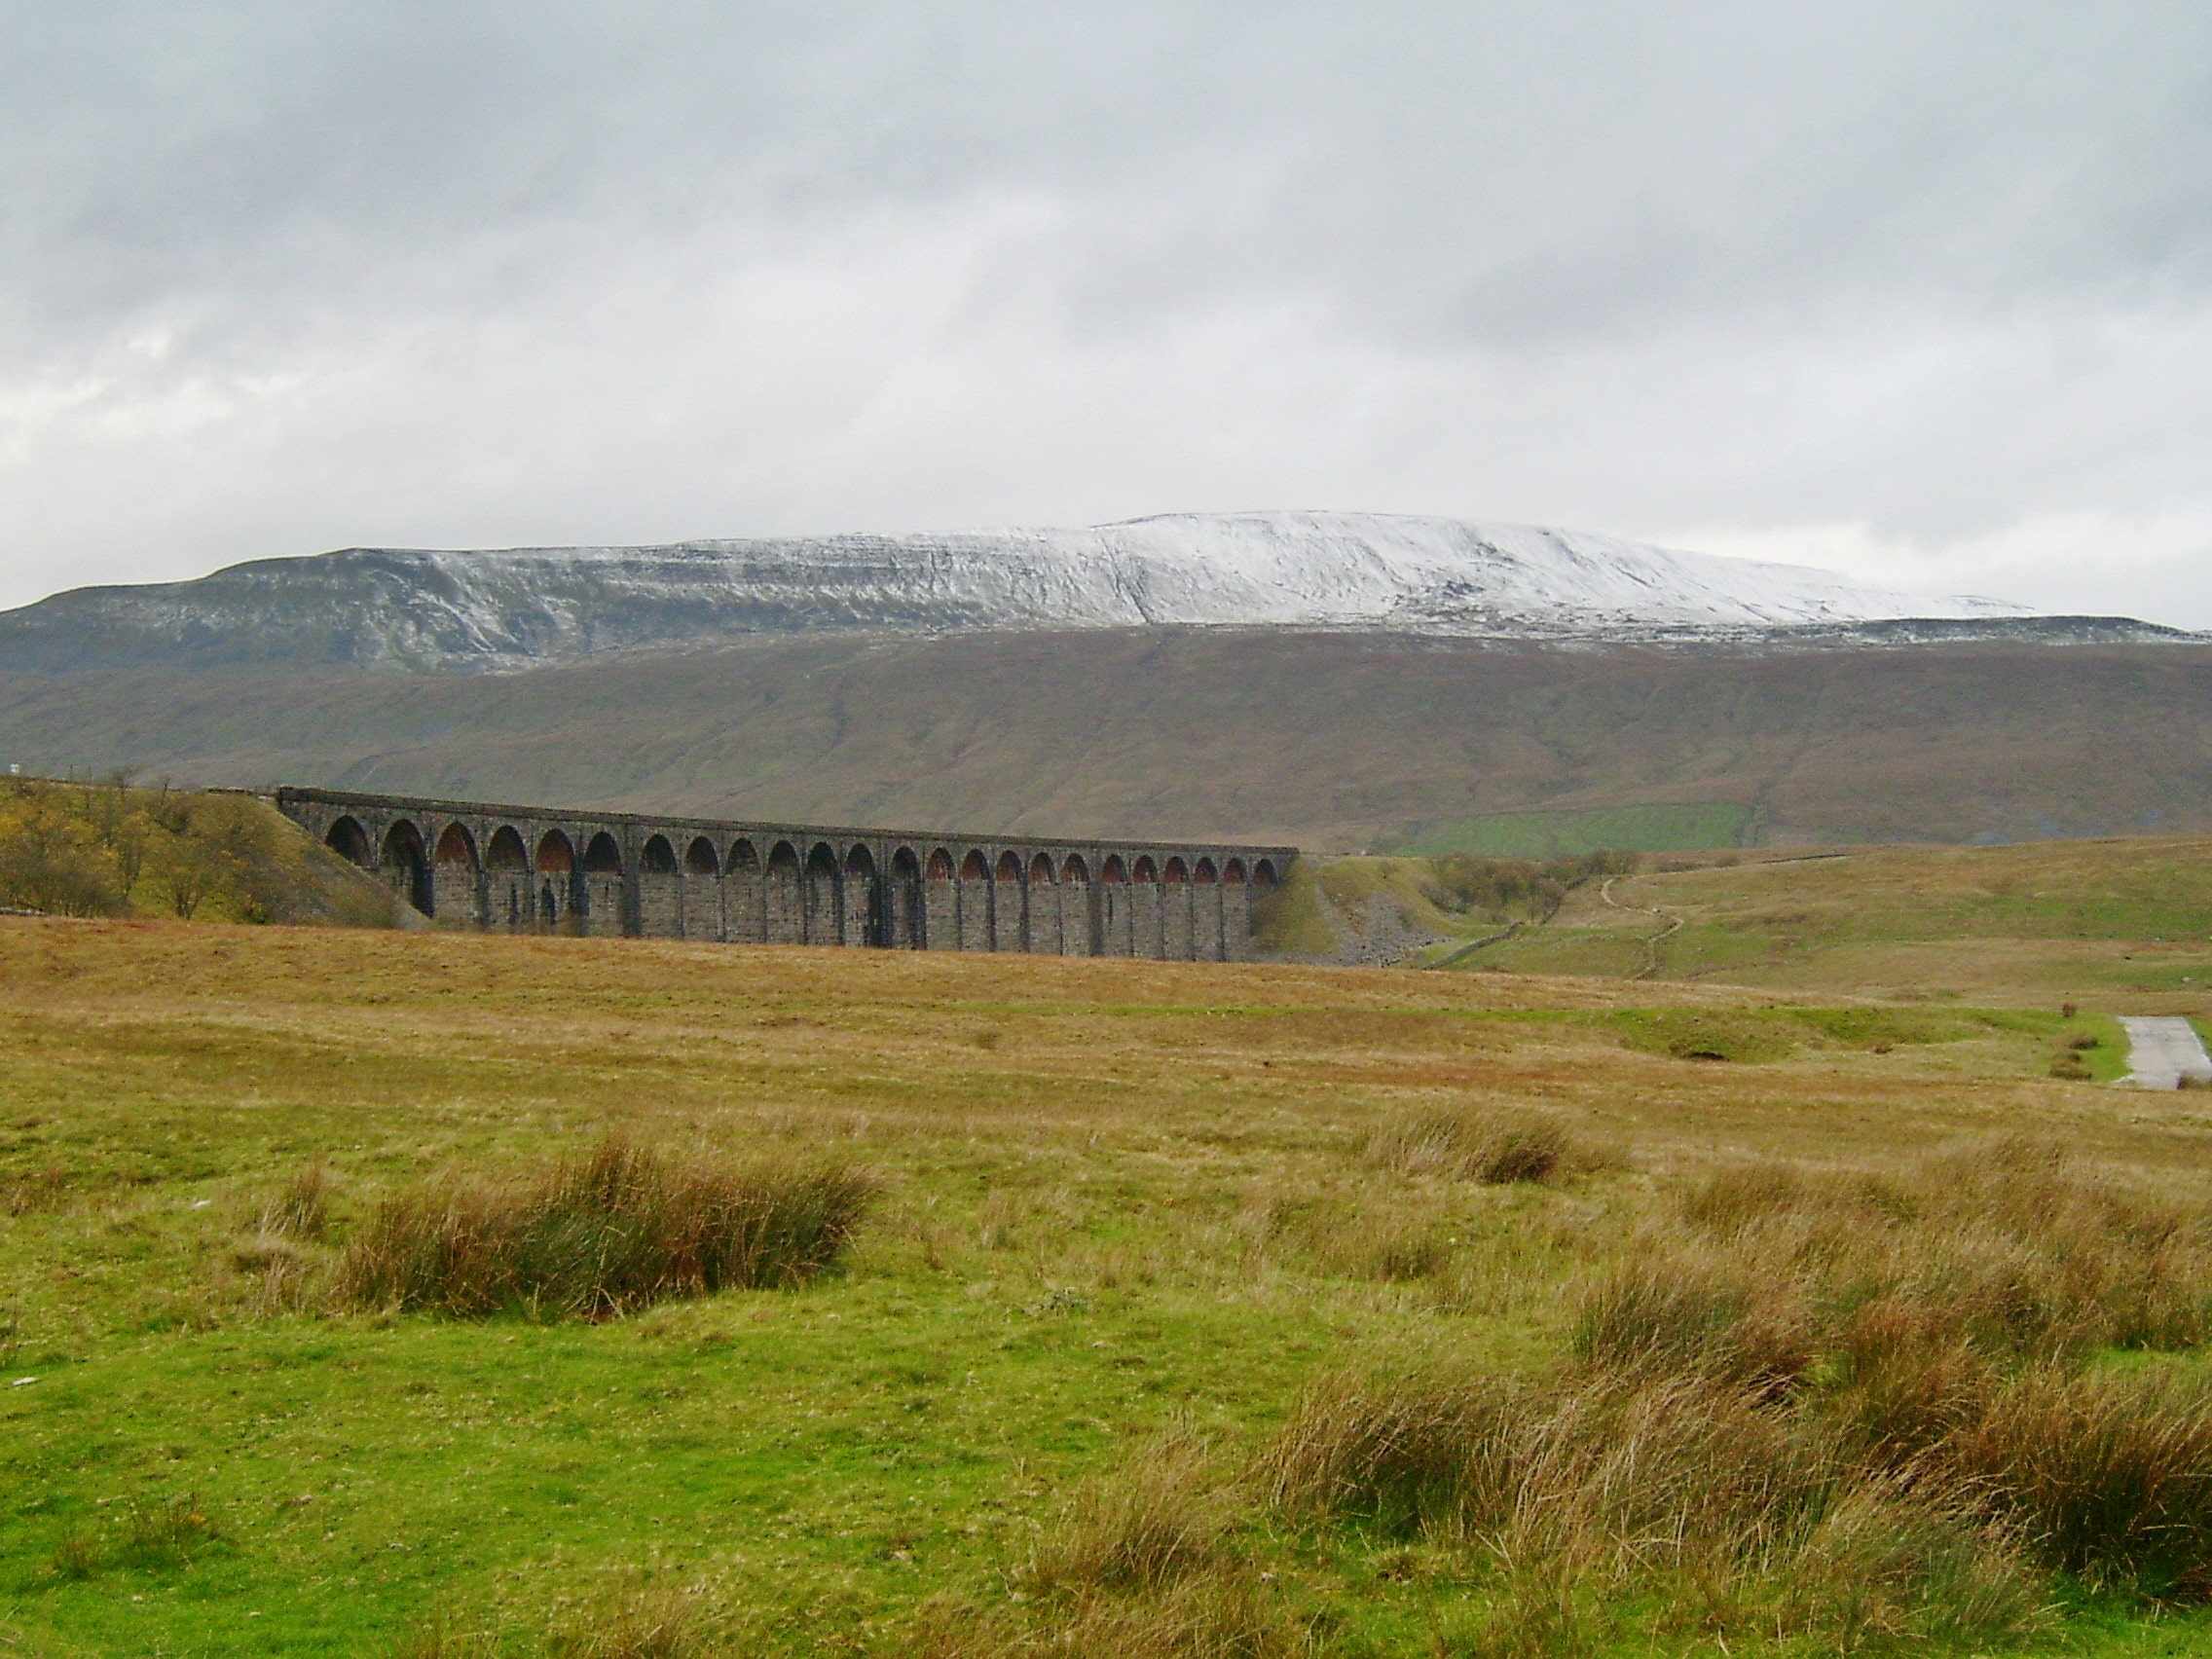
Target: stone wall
537 869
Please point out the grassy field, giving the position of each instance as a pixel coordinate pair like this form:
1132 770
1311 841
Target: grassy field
2124 923
1131 1216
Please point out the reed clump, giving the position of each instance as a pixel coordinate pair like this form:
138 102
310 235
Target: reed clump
300 1208
655 1623
1390 1248
2011 1250
1701 1494
1160 1518
1144 1567
1495 1146
603 1236
2108 1474
1867 1412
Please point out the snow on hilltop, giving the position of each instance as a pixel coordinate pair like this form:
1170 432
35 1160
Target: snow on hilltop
510 608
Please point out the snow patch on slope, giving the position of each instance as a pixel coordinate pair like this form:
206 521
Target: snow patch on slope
1276 569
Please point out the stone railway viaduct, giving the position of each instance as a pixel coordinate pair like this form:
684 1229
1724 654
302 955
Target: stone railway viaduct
542 869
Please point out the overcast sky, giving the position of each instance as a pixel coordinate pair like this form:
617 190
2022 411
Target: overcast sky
1919 290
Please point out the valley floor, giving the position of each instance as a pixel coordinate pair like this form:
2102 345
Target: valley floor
1119 1200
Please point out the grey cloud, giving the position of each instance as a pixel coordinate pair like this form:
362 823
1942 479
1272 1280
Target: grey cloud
275 275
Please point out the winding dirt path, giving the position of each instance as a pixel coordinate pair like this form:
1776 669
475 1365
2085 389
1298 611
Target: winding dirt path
1650 967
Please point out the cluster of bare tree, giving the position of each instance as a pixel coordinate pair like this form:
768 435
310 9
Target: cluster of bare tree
1517 889
112 848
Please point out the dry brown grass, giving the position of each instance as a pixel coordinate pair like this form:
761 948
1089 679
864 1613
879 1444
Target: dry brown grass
1142 1565
1707 1316
1488 1144
603 1236
2009 1247
1227 1616
2108 1475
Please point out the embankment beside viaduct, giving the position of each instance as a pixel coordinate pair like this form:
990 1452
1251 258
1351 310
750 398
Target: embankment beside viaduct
544 869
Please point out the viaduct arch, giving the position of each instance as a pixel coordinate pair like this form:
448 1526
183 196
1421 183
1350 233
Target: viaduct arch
545 870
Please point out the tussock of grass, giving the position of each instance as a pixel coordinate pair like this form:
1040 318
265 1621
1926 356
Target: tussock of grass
1157 1520
1142 1566
286 1278
1681 1315
1497 1146
603 1236
300 1208
1845 1409
157 1535
651 1624
1383 1245
2109 1475
1748 1517
2007 1245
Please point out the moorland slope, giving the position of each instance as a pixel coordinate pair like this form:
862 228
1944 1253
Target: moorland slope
1336 741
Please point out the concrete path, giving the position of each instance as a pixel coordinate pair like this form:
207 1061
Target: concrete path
2164 1052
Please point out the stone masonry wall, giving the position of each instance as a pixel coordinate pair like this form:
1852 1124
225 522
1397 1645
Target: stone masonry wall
553 870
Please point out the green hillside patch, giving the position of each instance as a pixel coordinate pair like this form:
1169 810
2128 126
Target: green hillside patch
1752 1036
1742 1036
1874 1027
2036 925
1673 829
2156 892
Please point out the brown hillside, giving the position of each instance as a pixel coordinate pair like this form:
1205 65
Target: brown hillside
1332 740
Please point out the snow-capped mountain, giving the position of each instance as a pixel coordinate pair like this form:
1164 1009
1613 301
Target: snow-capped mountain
515 606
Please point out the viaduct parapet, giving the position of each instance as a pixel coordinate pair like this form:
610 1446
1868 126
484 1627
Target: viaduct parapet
544 869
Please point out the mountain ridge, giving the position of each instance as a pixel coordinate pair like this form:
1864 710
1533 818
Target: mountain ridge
518 608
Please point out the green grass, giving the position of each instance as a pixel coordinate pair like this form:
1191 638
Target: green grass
1669 828
2124 923
844 1446
1119 1198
